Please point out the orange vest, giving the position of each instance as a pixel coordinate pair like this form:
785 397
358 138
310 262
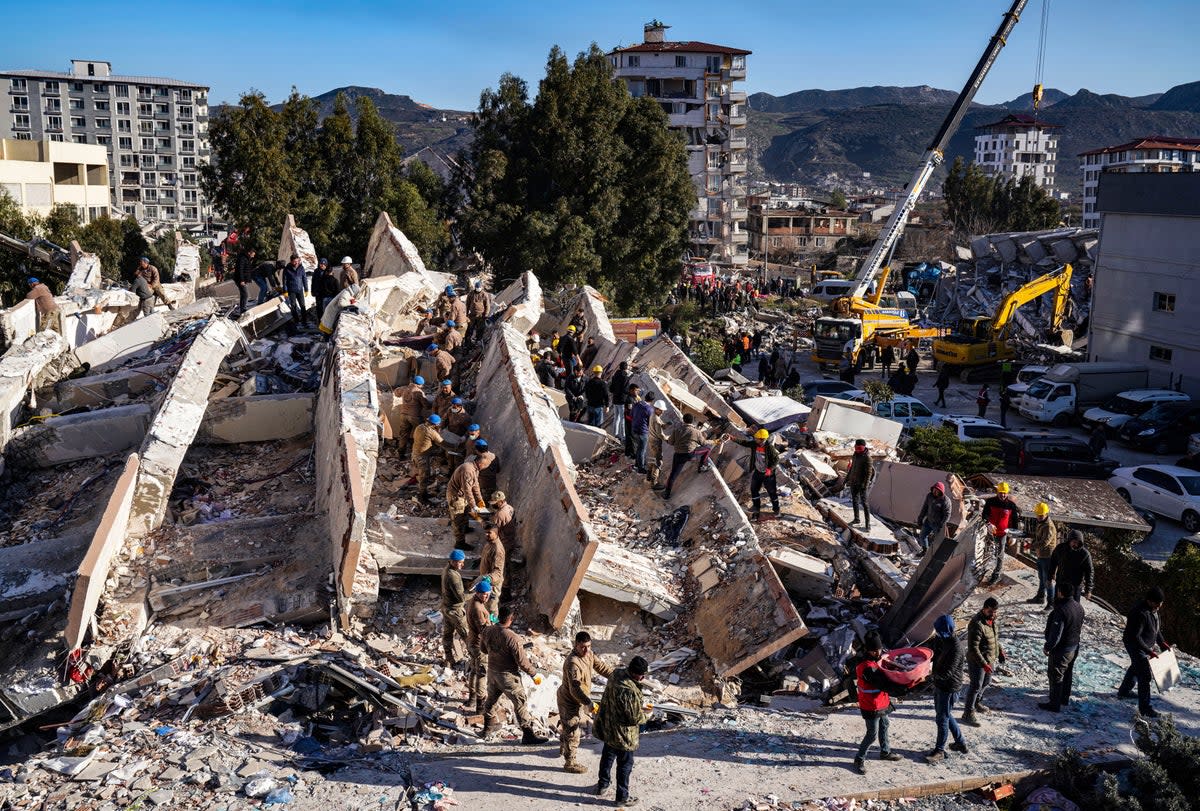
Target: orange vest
870 698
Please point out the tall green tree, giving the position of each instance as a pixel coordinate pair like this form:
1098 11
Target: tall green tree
314 211
584 185
976 203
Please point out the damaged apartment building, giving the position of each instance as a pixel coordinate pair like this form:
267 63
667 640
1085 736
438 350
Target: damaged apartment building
218 581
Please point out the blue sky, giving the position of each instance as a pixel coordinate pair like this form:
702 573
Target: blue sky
445 53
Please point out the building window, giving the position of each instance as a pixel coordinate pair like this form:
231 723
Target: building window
148 161
54 122
164 143
125 143
53 105
122 108
126 160
102 105
148 143
20 102
76 104
680 61
1160 353
185 112
188 163
22 136
633 60
122 91
162 109
49 87
190 129
76 87
78 121
56 137
21 121
104 123
79 139
103 140
145 109
162 91
712 64
187 145
124 126
152 212
185 95
19 84
1164 302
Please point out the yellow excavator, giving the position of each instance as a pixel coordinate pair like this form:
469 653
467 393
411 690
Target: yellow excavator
979 342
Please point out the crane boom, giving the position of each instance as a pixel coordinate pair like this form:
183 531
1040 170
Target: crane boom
891 232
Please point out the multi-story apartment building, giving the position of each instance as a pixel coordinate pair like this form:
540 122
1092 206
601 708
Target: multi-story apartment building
1154 154
39 175
797 229
695 84
1018 145
155 131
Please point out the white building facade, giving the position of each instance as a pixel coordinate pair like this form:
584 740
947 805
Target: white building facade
1156 154
1018 145
155 132
39 175
695 82
1146 296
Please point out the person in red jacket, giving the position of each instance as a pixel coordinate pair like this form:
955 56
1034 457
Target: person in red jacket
875 691
1001 514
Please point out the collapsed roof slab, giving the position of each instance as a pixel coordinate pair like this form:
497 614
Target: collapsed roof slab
125 342
662 354
1080 502
40 360
520 305
295 240
899 491
398 297
70 438
609 350
391 253
260 418
101 389
178 419
526 434
18 323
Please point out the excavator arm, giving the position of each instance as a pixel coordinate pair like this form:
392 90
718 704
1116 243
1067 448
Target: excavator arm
57 259
1058 280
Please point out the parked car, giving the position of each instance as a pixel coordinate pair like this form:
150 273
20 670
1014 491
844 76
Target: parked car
1193 447
1037 453
1165 428
830 289
968 428
824 386
1127 405
1167 490
1025 376
908 411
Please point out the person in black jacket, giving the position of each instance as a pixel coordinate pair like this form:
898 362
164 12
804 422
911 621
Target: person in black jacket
618 388
1071 565
596 393
242 275
325 287
575 388
948 661
1063 628
875 691
1142 633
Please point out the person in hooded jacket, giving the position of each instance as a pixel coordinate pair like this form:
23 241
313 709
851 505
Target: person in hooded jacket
948 661
1142 633
935 512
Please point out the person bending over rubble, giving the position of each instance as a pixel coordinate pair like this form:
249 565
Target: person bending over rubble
875 691
575 697
463 497
688 443
506 660
935 512
858 479
454 617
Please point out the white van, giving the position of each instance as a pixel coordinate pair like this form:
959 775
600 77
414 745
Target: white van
908 411
831 289
1127 405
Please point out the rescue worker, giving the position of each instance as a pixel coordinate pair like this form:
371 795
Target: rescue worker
491 564
325 287
622 712
1072 563
49 316
641 413
1063 629
1041 545
658 430
443 399
568 348
858 479
479 307
982 399
948 660
348 276
764 459
463 497
875 690
295 287
502 518
618 387
454 617
457 418
505 662
1001 514
456 311
983 652
590 350
575 697
595 393
450 339
478 619
687 443
150 273
408 409
425 323
426 441
443 361
935 512
1142 633
243 274
576 391
489 476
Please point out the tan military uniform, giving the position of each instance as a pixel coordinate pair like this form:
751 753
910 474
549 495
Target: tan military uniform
454 616
462 496
491 564
506 660
503 519
450 340
424 440
575 697
408 410
477 623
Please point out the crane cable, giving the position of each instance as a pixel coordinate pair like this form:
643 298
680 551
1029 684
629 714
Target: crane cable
1039 69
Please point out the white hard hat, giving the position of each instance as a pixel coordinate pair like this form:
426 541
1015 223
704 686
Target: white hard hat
346 260
660 405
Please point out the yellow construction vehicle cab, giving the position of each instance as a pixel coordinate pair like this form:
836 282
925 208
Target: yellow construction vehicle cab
982 341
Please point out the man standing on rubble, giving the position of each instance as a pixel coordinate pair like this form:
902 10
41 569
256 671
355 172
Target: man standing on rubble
590 350
454 617
478 619
595 391
687 442
618 721
502 518
457 310
1071 563
858 479
408 406
576 391
935 512
1041 545
450 339
568 347
491 564
764 459
983 652
1063 629
479 307
875 690
49 317
948 660
1142 633
444 399
325 287
575 697
295 284
1001 514
506 660
618 388
639 428
655 443
463 496
426 441
348 276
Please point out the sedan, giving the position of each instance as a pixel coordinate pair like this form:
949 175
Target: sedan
1167 490
1163 429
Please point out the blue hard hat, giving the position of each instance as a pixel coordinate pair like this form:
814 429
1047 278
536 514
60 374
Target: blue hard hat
478 285
450 322
434 419
323 262
483 586
473 426
420 381
447 382
449 290
455 401
481 444
33 280
458 554
432 348
944 625
144 259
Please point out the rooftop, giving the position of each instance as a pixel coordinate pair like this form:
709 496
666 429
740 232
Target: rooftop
689 46
1014 121
1150 142
67 76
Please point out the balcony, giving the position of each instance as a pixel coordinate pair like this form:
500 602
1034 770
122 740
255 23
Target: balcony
738 213
734 97
734 74
730 191
736 144
738 120
739 237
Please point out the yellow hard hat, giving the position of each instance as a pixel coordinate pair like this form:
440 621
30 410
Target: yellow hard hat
762 433
1002 488
597 368
1041 509
571 328
535 356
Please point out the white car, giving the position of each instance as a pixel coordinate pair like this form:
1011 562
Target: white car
1167 490
908 411
969 428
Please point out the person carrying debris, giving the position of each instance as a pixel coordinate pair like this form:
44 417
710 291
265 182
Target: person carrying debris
622 712
935 512
687 443
408 407
639 428
463 497
948 661
595 392
983 652
478 620
49 316
618 389
426 441
764 459
1001 514
1142 633
450 339
858 479
502 518
479 307
1071 563
295 284
491 564
150 273
875 691
655 443
505 662
1063 629
454 616
1041 545
575 697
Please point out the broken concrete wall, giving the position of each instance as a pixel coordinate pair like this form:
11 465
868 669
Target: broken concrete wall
391 253
106 542
99 390
261 418
85 273
59 440
187 261
41 359
125 342
520 305
346 437
398 297
525 432
18 323
837 418
178 419
899 490
662 354
610 350
263 319
295 240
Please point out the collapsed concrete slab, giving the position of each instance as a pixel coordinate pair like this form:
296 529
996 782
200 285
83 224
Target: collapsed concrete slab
1086 502
527 435
899 490
123 343
835 417
772 413
60 440
187 259
261 418
628 577
663 355
101 389
295 240
391 253
805 576
18 323
520 305
585 441
179 418
41 359
85 273
263 319
398 297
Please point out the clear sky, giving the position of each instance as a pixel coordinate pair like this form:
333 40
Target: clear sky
444 53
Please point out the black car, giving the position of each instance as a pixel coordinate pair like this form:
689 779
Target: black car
1036 453
824 386
1164 428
